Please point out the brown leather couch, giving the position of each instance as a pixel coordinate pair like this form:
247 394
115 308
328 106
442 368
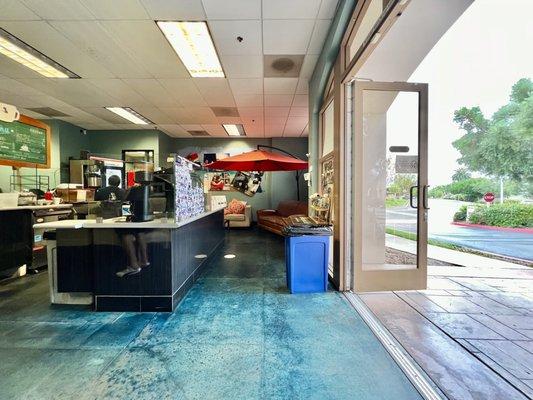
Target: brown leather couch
272 220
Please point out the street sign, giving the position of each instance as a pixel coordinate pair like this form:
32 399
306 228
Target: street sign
489 197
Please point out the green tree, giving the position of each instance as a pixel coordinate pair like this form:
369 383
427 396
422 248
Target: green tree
461 174
501 146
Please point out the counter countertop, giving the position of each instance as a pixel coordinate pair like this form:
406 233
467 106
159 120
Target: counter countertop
117 223
36 207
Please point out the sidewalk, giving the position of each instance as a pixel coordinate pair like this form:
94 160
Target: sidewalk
452 256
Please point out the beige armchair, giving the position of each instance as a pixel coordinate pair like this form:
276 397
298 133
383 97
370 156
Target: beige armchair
239 220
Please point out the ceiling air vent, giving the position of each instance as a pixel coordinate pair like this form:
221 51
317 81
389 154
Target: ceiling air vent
225 111
198 133
283 66
49 112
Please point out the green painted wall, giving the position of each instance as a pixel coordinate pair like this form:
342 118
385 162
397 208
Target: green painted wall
111 143
67 140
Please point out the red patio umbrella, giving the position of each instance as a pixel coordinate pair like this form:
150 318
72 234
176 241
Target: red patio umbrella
262 160
259 160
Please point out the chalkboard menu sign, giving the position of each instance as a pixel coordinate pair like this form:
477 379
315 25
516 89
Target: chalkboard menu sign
25 143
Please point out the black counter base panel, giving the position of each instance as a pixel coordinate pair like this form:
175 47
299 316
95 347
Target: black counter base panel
176 258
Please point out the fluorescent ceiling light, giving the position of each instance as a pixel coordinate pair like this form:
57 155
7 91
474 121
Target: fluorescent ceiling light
194 46
26 55
234 130
130 114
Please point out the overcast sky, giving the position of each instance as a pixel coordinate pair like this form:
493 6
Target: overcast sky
475 63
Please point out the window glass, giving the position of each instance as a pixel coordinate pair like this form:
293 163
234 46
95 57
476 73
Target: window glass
364 27
327 132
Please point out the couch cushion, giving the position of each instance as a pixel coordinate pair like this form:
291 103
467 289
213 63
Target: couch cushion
235 217
272 220
291 207
235 207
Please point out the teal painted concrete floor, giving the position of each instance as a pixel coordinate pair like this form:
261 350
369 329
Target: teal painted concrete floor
238 334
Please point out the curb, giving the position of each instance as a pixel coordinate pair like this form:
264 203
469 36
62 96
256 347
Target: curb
494 228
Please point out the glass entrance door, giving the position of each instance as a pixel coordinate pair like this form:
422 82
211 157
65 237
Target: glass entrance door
390 186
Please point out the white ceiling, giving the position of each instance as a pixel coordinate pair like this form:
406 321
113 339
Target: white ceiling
124 60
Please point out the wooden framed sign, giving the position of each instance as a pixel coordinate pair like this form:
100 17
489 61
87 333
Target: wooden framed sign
25 143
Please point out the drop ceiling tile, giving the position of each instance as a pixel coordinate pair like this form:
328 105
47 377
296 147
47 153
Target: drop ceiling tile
253 121
292 133
293 9
76 92
257 134
247 86
184 91
15 10
42 36
120 91
15 87
278 100
286 36
299 112
232 9
327 9
305 132
216 91
280 85
296 123
106 115
152 91
300 100
116 9
252 112
12 69
215 129
275 120
282 66
146 45
174 130
190 115
308 66
180 10
276 111
319 35
243 66
254 129
95 42
192 127
303 86
225 35
229 120
249 100
59 9
154 114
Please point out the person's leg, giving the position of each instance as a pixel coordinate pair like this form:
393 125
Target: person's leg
143 249
128 244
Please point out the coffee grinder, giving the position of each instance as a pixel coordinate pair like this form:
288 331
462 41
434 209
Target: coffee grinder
139 197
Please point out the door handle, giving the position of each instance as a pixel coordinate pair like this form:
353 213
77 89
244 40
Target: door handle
425 196
411 189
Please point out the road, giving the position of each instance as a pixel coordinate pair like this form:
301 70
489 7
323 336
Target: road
506 243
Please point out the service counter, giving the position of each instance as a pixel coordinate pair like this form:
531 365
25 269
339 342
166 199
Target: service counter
91 259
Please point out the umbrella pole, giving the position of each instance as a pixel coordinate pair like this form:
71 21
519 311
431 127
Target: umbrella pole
259 146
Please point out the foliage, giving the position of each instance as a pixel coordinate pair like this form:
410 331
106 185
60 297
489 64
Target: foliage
461 174
401 185
499 146
393 202
509 214
460 215
473 189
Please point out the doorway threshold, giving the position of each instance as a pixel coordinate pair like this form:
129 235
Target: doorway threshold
425 386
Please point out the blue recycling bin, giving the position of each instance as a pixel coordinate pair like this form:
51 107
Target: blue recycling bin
306 260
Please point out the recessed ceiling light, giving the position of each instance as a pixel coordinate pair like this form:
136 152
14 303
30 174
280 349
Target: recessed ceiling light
234 129
26 55
129 114
194 46
230 256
